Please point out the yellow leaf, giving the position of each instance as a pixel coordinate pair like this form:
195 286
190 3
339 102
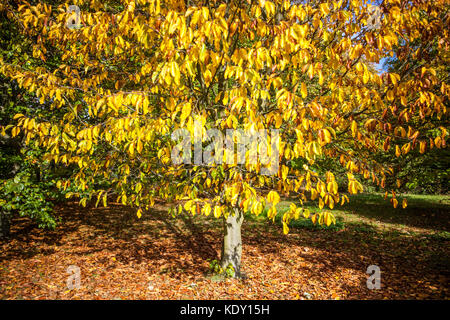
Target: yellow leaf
217 211
395 203
321 204
304 90
186 111
273 197
285 228
306 213
354 128
398 153
207 209
328 218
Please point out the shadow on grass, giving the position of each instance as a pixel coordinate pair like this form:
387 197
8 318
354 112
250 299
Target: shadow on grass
428 212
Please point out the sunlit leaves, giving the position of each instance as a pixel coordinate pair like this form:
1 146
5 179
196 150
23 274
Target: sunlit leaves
128 78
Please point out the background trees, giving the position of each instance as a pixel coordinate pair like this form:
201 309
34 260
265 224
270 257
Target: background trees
134 72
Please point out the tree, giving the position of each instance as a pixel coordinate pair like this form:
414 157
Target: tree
418 171
132 77
26 183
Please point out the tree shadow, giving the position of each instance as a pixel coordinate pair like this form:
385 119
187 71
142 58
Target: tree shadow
183 246
155 238
356 247
419 213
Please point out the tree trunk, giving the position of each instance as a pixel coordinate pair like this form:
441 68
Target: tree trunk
4 225
232 243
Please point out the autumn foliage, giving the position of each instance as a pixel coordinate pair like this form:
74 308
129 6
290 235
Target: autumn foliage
134 71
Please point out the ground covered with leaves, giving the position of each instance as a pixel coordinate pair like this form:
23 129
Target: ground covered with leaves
160 257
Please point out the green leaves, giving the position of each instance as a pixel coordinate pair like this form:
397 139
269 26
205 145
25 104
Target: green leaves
24 196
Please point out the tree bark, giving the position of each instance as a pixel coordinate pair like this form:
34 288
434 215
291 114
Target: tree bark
232 242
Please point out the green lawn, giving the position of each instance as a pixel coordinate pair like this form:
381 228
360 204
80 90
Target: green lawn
425 214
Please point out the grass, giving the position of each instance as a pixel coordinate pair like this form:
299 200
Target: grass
370 213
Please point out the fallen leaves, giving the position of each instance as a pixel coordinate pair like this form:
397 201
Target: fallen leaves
157 257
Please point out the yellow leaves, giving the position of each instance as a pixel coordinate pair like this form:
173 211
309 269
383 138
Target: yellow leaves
285 228
27 82
314 194
124 199
394 202
278 120
398 152
105 200
354 186
139 213
189 11
273 197
192 207
217 211
321 79
204 54
256 208
270 8
138 187
15 131
326 218
232 194
206 209
332 187
366 76
324 9
306 213
438 142
422 146
321 203
354 128
185 112
83 202
394 78
314 148
371 124
325 136
175 72
232 122
311 71
29 124
272 212
406 148
139 146
131 148
187 47
390 95
403 100
205 13
187 205
304 90
284 172
329 218
207 76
